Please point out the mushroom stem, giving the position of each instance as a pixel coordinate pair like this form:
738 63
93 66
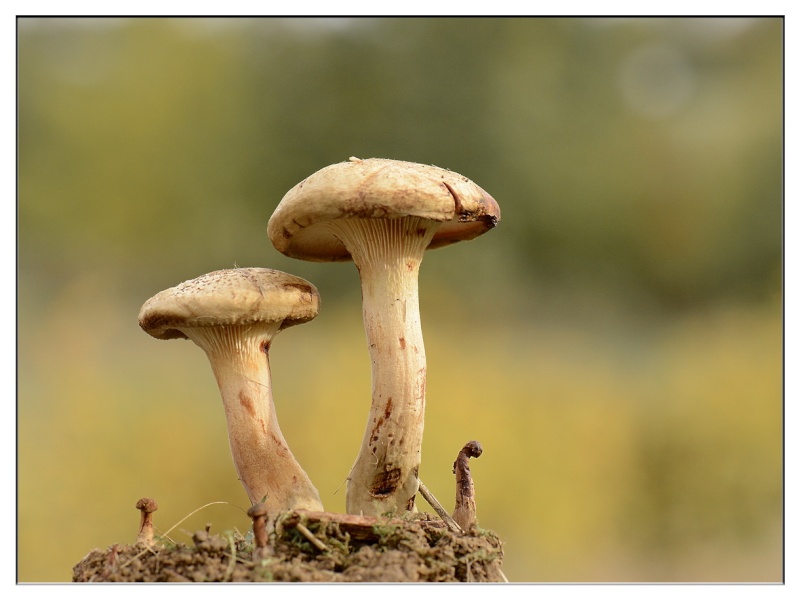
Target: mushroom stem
388 254
465 514
266 467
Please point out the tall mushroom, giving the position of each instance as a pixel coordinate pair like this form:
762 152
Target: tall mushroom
383 214
233 315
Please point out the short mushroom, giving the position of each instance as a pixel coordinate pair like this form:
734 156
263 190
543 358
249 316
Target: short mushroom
147 535
258 513
233 315
465 513
383 215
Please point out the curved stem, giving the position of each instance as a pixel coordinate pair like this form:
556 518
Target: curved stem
465 513
388 254
266 467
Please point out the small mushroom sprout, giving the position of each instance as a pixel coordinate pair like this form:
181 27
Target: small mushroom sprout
146 534
465 512
258 513
383 214
233 315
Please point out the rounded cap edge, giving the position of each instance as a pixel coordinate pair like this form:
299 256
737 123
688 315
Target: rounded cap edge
229 297
377 188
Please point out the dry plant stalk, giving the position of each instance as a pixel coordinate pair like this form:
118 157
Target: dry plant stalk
465 514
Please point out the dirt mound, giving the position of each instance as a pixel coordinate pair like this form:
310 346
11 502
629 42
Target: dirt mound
310 547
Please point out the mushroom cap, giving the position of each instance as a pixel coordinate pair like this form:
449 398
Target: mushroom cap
473 449
377 188
230 297
146 504
258 510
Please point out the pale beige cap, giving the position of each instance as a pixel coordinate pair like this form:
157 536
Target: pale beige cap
377 188
229 297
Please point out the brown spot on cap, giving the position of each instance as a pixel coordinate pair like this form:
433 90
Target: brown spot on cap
378 188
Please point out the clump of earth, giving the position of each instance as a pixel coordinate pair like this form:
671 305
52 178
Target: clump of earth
309 547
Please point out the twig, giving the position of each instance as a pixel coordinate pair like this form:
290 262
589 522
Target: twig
190 514
310 536
232 564
137 556
241 560
428 496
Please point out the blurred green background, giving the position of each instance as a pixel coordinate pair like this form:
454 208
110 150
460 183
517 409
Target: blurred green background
615 344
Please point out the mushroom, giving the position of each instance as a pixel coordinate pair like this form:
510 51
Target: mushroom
465 512
233 315
147 531
383 214
258 513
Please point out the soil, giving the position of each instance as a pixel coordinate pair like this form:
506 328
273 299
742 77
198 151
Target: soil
310 547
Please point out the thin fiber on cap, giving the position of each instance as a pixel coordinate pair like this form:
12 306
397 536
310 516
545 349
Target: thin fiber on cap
377 188
228 297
